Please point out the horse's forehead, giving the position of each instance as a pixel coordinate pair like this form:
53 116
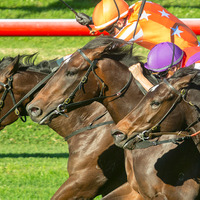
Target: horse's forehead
159 91
2 74
75 59
153 88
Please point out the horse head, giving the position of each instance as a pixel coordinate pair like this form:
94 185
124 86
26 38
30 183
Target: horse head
154 113
15 82
91 74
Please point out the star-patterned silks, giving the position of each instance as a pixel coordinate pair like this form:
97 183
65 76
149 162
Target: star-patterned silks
164 14
144 15
176 31
156 25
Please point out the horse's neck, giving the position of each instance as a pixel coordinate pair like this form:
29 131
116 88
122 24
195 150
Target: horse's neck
23 82
116 80
79 119
192 112
87 144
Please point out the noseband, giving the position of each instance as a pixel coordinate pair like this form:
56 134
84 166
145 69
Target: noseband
68 103
148 134
8 89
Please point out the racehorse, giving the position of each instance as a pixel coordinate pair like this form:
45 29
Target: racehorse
9 95
95 164
95 73
183 89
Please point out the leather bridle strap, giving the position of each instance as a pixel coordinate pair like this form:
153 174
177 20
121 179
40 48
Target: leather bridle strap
68 102
146 143
87 128
78 87
30 93
64 106
169 111
8 89
84 56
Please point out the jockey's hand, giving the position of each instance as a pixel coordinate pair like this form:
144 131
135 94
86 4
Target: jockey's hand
136 70
83 19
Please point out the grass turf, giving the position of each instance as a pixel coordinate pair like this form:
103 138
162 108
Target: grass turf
33 158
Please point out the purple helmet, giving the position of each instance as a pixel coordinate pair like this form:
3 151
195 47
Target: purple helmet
161 55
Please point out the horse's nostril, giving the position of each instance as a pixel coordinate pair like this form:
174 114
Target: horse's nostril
35 111
118 135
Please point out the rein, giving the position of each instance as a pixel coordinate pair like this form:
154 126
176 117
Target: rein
74 12
89 127
68 103
147 134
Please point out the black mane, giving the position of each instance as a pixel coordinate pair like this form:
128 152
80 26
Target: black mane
27 63
188 70
116 49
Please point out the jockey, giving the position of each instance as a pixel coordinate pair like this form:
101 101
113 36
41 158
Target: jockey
164 59
155 25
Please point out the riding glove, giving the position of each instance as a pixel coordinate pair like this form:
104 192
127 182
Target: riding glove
83 19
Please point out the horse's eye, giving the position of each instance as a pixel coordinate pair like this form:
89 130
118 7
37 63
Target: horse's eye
155 104
70 73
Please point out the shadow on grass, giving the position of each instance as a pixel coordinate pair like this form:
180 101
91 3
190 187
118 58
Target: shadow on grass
34 155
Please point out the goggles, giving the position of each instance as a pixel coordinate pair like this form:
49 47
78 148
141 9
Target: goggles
164 74
110 29
160 75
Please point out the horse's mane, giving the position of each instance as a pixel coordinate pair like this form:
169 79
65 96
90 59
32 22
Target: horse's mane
27 63
121 51
188 70
116 49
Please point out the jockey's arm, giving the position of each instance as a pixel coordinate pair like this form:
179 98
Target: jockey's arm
137 72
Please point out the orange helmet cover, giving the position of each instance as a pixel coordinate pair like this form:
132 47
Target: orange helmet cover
106 13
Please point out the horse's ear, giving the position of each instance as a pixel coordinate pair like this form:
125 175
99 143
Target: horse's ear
183 81
12 67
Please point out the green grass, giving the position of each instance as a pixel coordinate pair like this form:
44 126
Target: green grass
33 161
48 47
33 158
32 171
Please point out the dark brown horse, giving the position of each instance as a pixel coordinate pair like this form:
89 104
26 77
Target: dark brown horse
142 122
95 165
94 74
10 66
179 166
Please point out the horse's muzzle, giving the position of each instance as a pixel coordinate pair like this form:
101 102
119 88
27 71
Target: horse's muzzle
123 141
34 112
119 137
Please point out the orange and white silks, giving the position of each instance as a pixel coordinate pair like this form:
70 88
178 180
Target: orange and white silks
156 25
192 55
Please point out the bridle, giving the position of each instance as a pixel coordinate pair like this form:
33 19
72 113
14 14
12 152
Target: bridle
68 102
8 89
146 135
